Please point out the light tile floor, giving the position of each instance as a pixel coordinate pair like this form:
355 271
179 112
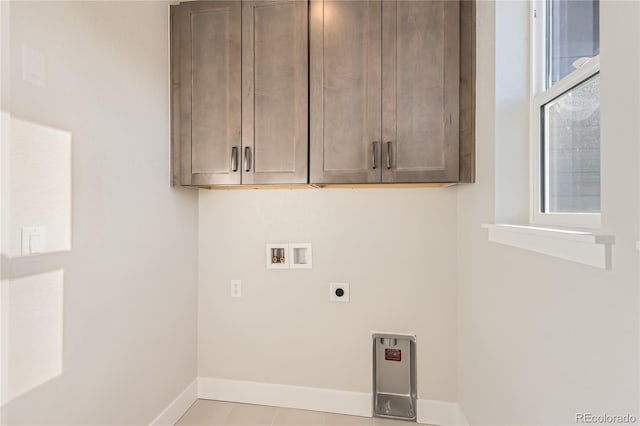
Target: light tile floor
216 413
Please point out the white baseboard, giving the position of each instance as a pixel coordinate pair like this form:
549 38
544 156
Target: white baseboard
172 413
304 398
440 413
437 413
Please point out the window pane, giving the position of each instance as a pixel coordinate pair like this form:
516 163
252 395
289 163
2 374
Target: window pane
572 147
573 33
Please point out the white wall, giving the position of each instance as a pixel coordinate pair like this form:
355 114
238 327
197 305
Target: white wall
541 338
38 177
129 303
396 248
35 335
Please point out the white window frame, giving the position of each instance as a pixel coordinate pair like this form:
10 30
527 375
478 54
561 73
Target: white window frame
540 97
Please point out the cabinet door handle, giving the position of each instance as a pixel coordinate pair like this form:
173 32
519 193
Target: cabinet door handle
389 152
374 155
247 154
234 159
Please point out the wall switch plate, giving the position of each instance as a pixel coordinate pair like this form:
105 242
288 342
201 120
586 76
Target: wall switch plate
236 288
339 292
300 256
32 66
277 256
33 240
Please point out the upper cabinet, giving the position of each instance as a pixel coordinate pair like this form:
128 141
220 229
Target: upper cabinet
275 100
206 88
420 99
345 91
384 91
240 92
322 92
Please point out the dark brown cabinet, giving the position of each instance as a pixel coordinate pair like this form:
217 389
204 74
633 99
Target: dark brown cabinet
240 92
206 84
384 91
275 91
322 92
420 98
345 91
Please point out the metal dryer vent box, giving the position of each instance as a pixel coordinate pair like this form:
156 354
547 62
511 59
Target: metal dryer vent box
394 376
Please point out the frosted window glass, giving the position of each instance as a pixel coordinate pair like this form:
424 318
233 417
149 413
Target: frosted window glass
572 145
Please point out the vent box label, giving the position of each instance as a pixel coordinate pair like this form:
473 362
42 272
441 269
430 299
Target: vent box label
393 355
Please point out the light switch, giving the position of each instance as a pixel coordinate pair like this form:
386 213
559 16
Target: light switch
33 240
32 66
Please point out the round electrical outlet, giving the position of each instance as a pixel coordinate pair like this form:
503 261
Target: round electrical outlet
339 292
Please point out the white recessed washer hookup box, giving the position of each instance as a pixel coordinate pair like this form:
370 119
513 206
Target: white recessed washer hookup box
277 256
300 256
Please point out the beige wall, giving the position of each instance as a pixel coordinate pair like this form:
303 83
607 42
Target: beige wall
129 302
541 338
396 248
517 337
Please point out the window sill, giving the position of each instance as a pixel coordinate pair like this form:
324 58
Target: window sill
575 245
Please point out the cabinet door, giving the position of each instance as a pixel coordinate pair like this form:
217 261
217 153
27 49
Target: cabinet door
420 68
345 91
210 93
275 91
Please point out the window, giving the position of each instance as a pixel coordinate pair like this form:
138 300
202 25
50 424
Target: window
565 139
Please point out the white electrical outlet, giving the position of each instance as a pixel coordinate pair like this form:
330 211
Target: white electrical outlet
339 292
236 288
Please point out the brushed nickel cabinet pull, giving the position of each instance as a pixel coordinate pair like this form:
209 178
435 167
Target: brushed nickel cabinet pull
234 159
374 155
389 155
247 165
